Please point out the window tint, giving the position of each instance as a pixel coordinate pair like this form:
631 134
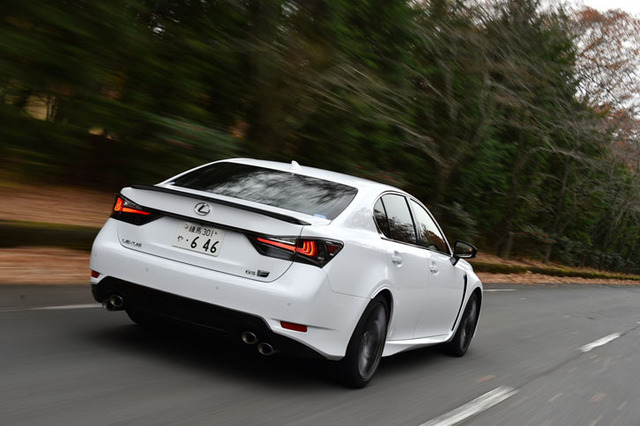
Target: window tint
286 190
380 215
400 223
428 233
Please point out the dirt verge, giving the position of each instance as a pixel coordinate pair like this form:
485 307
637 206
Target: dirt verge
42 265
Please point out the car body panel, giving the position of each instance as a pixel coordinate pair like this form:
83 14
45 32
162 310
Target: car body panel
444 296
407 270
236 254
426 291
302 296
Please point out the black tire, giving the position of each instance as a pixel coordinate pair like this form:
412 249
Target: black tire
365 348
460 343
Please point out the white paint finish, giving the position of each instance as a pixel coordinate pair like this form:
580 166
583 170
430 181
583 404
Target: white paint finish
393 347
600 342
302 295
235 254
409 298
470 409
328 300
443 297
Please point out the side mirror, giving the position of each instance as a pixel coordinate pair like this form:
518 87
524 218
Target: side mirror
462 250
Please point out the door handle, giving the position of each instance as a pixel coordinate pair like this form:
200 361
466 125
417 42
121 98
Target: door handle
396 259
433 268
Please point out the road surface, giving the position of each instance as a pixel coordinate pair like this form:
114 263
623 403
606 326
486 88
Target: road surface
543 355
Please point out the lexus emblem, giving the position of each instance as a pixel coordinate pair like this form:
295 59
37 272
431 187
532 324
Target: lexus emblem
202 209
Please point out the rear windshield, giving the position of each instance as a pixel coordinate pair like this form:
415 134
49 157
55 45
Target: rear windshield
289 191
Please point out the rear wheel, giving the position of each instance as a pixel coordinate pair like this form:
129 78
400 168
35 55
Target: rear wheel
461 341
366 345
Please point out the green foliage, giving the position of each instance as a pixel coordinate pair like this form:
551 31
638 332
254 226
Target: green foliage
471 108
25 234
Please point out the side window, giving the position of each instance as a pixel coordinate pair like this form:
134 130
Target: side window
399 218
380 215
428 233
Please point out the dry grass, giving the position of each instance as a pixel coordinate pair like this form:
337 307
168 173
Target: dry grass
73 206
42 265
49 204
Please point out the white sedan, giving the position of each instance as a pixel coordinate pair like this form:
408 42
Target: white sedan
289 258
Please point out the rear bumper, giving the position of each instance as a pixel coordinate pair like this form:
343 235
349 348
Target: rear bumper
227 322
225 302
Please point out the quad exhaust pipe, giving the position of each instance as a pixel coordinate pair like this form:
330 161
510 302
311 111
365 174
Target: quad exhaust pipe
113 303
264 348
249 338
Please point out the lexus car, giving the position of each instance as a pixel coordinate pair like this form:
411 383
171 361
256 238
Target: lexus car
289 259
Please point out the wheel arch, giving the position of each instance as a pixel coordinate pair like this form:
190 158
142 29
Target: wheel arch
478 293
388 297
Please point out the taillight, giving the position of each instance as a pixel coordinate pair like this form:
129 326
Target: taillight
130 212
313 251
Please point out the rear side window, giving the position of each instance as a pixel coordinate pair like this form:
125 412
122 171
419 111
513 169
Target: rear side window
428 233
380 215
302 194
398 225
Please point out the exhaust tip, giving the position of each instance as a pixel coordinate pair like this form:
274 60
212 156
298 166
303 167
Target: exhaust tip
249 338
266 349
113 303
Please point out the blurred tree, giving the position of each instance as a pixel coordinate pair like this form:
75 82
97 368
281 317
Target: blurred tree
356 56
532 64
608 46
508 118
454 100
107 74
608 71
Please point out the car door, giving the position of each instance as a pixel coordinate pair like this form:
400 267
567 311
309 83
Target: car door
446 282
407 263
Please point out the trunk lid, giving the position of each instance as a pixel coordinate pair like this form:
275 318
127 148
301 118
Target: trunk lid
210 232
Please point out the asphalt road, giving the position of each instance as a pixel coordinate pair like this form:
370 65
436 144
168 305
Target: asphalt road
65 362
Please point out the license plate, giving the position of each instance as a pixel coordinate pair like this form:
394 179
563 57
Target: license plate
195 237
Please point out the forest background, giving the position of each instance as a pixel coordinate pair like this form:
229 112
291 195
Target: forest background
515 122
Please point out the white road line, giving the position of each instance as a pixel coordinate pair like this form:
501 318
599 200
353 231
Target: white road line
51 308
65 307
600 342
495 290
478 405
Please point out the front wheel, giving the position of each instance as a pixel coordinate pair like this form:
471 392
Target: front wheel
460 343
366 345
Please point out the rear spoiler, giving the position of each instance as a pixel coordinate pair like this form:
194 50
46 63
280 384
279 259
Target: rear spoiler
279 216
